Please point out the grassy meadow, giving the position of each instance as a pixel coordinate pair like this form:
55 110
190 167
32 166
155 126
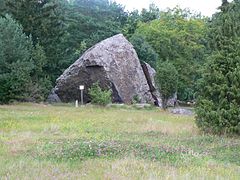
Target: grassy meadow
62 142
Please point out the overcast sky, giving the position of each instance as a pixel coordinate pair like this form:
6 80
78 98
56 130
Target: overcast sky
206 7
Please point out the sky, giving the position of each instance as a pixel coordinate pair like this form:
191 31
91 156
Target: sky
205 7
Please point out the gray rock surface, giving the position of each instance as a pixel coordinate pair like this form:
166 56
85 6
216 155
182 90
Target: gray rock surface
114 64
53 97
182 111
150 74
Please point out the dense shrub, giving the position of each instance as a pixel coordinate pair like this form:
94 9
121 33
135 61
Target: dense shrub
167 81
99 96
218 105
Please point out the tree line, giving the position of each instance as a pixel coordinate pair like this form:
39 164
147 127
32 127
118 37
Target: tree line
62 30
40 39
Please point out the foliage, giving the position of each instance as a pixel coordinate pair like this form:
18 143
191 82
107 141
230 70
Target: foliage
87 26
21 64
43 20
135 17
136 99
2 6
40 80
145 52
167 80
180 37
218 107
15 53
99 96
151 14
65 29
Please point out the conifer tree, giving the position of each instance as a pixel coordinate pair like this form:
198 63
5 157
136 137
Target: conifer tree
44 22
20 65
15 67
218 106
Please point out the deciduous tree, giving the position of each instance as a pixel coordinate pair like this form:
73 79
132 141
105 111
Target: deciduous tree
180 37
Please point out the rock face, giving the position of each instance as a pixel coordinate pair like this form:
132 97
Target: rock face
53 97
150 74
114 64
182 111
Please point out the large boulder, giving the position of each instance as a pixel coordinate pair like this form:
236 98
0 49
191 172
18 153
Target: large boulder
114 64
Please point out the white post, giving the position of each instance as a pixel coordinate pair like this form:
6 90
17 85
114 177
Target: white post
82 97
76 103
81 87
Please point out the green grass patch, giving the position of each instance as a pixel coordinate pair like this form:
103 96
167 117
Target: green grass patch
74 150
110 143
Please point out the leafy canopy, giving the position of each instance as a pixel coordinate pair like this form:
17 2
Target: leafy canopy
178 36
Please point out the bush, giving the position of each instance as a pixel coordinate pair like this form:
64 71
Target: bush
167 81
218 102
99 96
136 99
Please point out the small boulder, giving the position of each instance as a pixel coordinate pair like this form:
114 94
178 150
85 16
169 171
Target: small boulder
182 111
53 97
